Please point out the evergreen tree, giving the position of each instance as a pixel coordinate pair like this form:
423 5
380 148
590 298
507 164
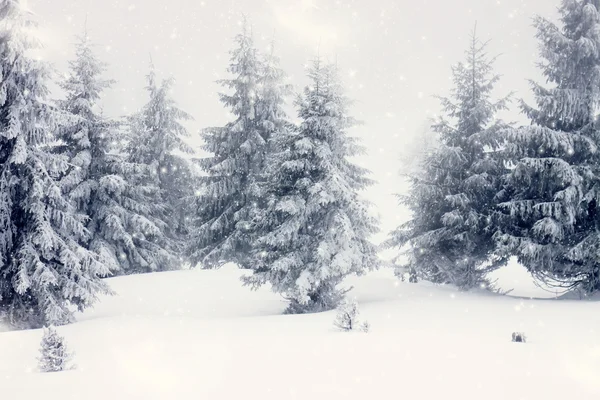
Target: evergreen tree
317 226
276 128
43 269
230 198
158 142
452 194
130 225
100 182
549 217
54 355
85 140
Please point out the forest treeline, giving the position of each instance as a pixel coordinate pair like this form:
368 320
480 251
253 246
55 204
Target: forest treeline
84 196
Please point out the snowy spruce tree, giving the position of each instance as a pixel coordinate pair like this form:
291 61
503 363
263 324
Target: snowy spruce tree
452 192
227 208
85 139
317 227
550 217
54 355
100 182
43 269
157 141
276 128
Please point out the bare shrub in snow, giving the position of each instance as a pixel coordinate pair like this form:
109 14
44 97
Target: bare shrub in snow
54 356
347 318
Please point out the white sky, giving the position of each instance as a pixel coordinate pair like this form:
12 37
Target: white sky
394 55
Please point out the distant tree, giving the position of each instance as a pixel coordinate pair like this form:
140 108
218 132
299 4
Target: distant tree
452 194
43 269
228 206
157 141
417 147
54 355
100 182
550 217
316 226
86 141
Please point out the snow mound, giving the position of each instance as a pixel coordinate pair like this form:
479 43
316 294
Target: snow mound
191 294
200 334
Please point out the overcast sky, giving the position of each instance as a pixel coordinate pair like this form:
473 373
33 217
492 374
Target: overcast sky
394 56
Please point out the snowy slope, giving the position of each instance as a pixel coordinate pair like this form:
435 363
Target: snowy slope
200 335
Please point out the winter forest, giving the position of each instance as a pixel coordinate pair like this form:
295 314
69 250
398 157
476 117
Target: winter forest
169 240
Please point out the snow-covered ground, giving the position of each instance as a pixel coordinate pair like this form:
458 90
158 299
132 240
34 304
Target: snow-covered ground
200 335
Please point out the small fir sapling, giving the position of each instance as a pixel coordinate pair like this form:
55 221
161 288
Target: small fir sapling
54 355
347 318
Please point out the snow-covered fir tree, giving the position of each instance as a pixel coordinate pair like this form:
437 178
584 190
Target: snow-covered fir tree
85 141
452 193
272 120
276 128
317 226
100 182
43 269
231 196
550 216
157 140
54 354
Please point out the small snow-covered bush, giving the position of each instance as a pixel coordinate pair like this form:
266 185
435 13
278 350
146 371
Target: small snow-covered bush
519 337
347 317
54 355
365 327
